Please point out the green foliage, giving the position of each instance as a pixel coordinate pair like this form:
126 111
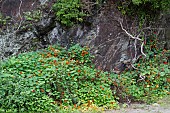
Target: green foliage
151 80
33 16
3 20
38 81
155 4
19 94
144 9
68 12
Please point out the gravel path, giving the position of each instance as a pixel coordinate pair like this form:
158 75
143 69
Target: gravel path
162 106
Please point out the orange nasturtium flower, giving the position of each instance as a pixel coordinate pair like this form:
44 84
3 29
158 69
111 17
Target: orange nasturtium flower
42 90
79 71
55 54
54 61
68 74
65 101
157 86
49 55
112 102
67 62
62 93
168 80
101 88
51 48
83 53
42 55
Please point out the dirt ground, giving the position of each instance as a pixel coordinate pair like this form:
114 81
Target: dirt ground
162 106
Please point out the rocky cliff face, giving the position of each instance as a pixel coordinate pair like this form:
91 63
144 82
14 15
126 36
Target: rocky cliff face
109 43
167 30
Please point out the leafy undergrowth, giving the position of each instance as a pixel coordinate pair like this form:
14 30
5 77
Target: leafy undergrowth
150 81
60 80
53 79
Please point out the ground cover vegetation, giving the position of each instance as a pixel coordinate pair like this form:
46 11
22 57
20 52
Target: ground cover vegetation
43 80
149 81
56 79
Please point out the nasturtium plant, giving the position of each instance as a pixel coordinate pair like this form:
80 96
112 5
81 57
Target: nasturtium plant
44 80
150 80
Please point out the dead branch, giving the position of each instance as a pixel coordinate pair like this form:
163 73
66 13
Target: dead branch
19 12
134 37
